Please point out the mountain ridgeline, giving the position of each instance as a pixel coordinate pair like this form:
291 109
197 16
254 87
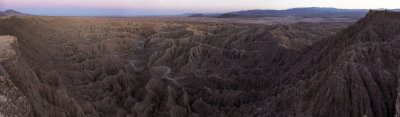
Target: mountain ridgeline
307 12
68 66
11 12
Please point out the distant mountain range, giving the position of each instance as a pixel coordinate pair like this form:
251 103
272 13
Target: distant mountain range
302 12
307 12
12 13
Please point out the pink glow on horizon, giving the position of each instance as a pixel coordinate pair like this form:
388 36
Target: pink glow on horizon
200 5
114 4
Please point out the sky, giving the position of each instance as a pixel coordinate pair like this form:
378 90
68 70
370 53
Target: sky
175 7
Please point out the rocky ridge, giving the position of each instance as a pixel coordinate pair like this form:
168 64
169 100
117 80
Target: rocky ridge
13 102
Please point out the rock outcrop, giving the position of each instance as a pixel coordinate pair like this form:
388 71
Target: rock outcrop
13 103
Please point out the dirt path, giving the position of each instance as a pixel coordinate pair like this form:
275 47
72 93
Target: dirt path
135 68
168 71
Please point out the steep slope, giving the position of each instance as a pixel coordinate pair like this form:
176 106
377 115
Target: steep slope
351 74
12 101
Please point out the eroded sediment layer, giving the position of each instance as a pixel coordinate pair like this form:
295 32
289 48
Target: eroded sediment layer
170 67
13 103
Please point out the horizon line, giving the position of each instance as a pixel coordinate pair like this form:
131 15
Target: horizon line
163 15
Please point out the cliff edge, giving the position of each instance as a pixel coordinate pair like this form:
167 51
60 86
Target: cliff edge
13 103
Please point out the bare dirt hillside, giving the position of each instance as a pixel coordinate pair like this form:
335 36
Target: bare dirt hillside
177 67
